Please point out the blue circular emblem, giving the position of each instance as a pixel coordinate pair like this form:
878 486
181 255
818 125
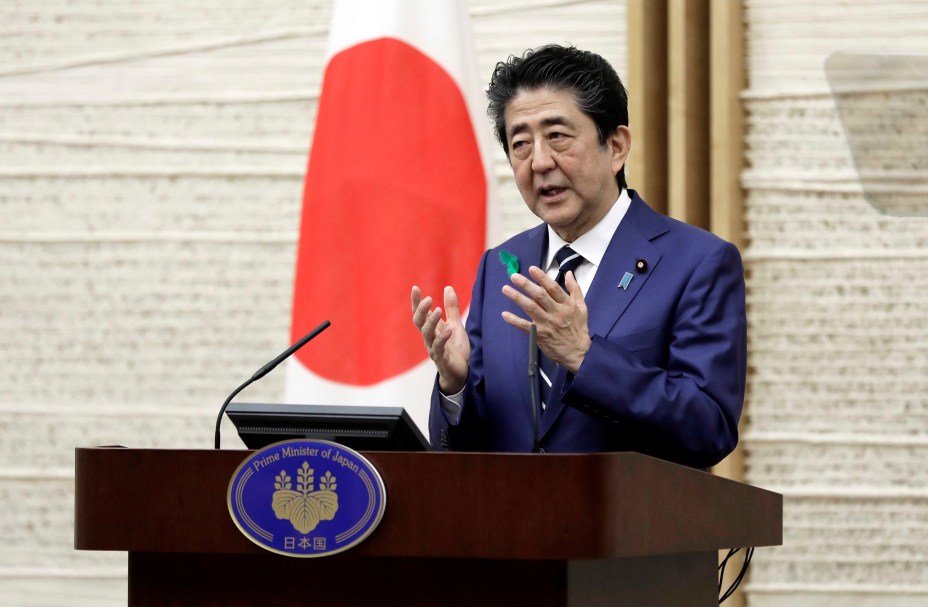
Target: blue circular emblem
306 498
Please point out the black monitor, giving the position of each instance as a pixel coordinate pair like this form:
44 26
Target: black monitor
359 428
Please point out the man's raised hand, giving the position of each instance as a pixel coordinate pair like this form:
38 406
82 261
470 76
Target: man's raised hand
445 340
560 318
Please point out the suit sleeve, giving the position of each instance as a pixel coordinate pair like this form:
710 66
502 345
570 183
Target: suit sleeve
687 411
469 434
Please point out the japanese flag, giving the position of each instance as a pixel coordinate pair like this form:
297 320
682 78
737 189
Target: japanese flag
397 193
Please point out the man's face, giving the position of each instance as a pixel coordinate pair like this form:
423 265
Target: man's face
563 173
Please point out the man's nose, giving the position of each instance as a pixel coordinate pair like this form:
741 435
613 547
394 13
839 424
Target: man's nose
542 159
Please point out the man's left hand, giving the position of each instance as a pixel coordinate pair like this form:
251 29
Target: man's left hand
560 318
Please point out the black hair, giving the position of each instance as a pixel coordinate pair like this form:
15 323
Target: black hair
596 87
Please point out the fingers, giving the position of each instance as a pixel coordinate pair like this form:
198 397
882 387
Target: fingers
420 312
429 327
420 307
445 340
517 321
544 291
416 297
435 331
529 305
425 319
536 300
441 335
551 287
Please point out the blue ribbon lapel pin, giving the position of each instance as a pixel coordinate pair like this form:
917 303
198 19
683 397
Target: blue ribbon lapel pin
626 280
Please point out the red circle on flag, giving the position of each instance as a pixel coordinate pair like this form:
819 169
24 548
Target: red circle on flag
395 195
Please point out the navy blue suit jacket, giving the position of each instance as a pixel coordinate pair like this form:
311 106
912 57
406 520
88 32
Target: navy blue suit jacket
664 376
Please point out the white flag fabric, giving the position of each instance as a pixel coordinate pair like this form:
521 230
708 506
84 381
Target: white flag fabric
397 192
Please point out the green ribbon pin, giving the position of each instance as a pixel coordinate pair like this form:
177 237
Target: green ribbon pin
510 261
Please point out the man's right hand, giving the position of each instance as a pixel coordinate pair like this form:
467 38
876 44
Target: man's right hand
445 340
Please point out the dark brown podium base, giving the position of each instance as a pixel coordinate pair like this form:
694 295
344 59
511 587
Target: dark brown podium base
205 580
460 529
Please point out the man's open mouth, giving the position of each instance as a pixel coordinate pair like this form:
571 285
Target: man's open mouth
550 191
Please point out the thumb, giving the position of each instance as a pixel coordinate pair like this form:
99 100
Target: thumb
451 305
573 288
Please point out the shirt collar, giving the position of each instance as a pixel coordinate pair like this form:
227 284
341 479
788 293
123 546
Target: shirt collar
593 244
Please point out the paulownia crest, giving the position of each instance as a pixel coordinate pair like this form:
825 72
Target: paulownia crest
305 507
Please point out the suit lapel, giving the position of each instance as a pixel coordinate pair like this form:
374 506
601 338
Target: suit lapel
606 299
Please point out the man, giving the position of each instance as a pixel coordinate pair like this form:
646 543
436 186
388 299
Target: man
644 339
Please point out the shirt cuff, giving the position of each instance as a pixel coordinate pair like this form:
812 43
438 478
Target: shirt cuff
452 406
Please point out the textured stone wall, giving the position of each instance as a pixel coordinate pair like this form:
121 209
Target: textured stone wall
838 313
151 163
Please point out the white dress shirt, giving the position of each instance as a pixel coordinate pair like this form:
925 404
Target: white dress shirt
591 245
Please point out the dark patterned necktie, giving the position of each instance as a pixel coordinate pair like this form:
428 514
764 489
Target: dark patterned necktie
568 261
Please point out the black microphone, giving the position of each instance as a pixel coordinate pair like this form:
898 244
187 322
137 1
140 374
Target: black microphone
533 381
267 369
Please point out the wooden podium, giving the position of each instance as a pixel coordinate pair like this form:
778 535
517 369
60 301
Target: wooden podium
460 529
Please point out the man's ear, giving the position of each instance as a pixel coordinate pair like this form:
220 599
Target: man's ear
619 143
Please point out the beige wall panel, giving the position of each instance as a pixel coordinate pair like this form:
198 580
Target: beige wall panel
838 322
75 592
